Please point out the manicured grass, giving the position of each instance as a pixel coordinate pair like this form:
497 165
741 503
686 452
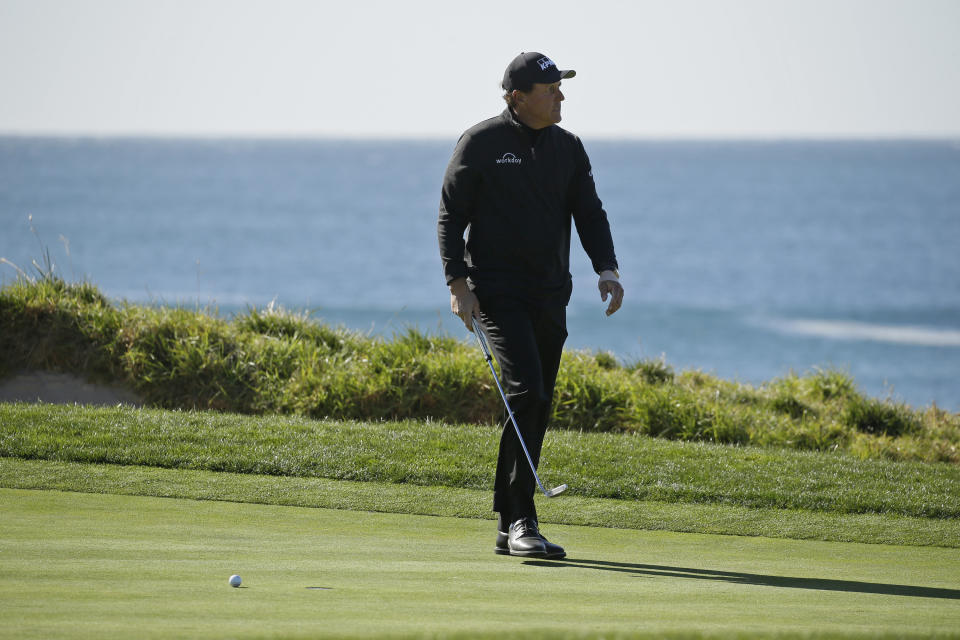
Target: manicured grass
597 465
84 566
472 503
271 361
200 495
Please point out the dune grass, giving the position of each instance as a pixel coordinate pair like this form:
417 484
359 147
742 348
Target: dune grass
272 361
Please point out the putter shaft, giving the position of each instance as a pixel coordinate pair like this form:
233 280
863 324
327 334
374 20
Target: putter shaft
486 353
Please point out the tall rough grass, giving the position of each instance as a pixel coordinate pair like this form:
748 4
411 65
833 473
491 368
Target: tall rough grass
275 361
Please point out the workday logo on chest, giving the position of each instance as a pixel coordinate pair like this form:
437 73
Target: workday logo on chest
509 158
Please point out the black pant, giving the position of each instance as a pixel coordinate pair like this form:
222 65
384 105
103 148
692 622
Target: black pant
527 344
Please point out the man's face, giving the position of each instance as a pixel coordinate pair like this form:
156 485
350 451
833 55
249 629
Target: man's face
540 107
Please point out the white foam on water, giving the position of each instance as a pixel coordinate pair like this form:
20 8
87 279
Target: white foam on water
850 330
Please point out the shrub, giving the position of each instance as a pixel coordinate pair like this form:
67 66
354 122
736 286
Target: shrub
272 360
877 417
832 384
652 371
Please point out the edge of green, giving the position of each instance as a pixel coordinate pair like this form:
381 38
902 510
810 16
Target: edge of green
18 473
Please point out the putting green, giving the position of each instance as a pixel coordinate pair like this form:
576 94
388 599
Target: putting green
83 565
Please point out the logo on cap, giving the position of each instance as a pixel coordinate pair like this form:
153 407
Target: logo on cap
545 62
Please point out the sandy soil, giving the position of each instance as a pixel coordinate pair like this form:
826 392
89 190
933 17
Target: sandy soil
62 388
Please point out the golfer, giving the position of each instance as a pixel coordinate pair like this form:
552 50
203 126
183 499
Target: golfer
516 181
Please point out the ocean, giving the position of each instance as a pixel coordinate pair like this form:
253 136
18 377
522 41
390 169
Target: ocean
747 260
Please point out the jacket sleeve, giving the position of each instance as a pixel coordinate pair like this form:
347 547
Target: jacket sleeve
589 216
457 198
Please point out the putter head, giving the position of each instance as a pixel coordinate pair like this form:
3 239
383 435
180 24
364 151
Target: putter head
556 491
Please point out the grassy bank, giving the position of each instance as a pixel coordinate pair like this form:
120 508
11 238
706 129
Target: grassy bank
595 465
346 495
270 361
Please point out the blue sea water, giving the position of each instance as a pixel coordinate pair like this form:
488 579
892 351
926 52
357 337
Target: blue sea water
744 259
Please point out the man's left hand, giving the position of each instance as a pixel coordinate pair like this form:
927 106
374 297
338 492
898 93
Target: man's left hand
610 285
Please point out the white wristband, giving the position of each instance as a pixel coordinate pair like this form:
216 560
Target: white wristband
609 275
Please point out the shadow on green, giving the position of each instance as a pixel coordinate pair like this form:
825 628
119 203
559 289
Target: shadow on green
786 582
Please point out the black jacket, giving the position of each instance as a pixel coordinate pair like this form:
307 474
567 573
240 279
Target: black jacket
518 196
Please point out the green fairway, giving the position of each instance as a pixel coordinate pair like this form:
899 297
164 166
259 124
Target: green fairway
83 565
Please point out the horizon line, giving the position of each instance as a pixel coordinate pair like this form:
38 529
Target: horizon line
442 137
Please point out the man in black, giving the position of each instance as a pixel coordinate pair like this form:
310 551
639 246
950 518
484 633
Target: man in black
516 181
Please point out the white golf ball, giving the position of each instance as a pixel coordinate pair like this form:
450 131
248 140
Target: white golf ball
235 580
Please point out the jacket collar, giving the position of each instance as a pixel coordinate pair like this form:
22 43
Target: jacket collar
534 136
510 118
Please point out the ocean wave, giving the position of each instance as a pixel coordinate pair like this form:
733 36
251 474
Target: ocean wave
852 330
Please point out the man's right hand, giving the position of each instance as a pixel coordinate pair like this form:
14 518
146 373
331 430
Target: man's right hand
463 302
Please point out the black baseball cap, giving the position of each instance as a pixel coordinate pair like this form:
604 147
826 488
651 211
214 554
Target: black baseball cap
530 67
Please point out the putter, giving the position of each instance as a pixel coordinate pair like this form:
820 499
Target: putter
486 353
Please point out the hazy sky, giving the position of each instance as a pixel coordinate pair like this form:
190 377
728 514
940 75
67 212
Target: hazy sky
717 68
